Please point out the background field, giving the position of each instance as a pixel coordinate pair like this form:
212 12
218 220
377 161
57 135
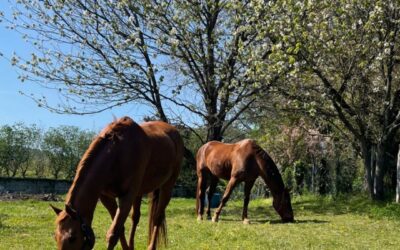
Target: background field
321 223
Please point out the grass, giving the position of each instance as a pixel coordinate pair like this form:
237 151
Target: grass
321 223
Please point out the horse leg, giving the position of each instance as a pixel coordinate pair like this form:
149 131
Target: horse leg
157 223
124 206
211 191
201 192
111 205
135 221
248 185
228 191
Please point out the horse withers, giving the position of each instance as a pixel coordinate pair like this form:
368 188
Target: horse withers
124 162
243 161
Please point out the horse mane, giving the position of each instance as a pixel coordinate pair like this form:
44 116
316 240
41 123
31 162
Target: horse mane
111 133
269 166
83 166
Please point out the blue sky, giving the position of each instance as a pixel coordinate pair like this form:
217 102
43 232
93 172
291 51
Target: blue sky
15 107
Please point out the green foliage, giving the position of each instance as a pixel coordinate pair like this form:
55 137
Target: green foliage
64 146
30 151
16 143
321 223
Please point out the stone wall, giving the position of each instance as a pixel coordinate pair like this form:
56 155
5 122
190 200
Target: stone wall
33 186
49 186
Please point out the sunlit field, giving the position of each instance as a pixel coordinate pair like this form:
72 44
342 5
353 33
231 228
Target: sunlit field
321 223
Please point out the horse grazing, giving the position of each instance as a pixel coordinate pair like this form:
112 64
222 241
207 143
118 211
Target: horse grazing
125 161
241 161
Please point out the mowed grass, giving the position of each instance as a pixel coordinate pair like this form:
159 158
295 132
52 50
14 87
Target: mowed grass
321 223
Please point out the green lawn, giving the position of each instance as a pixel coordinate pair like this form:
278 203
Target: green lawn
321 223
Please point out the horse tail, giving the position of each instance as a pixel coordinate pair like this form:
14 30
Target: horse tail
153 219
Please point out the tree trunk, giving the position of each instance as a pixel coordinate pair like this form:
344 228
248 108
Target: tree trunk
214 133
313 170
380 172
373 164
398 178
367 155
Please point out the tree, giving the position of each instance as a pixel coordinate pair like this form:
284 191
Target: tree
32 141
64 146
55 147
14 151
342 61
101 54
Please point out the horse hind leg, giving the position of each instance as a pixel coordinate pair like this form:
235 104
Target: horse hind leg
228 191
135 221
211 191
200 195
111 205
157 223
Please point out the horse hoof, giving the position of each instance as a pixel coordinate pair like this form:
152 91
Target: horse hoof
208 217
199 218
246 221
214 219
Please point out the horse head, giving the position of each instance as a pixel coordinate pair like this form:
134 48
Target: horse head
72 232
283 206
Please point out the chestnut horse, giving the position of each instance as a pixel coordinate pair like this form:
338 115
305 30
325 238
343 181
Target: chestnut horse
241 161
125 161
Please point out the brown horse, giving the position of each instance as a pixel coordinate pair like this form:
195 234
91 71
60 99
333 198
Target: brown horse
242 161
125 161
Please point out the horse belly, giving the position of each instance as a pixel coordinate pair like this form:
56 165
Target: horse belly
155 177
222 171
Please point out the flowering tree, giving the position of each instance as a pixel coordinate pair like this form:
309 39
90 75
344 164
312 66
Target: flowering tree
184 55
342 59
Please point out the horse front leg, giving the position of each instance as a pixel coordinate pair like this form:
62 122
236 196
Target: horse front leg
124 206
135 221
228 191
248 185
111 205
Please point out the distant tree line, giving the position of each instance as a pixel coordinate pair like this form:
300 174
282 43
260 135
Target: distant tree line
30 151
311 160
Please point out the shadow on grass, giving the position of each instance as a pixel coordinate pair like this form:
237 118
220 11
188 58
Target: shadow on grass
358 205
310 221
3 217
264 221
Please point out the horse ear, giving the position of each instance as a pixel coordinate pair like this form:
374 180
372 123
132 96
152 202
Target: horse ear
70 211
56 210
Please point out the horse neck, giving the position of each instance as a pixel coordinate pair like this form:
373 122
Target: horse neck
270 174
84 194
